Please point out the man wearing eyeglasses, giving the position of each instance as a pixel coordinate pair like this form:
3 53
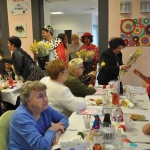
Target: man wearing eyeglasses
76 82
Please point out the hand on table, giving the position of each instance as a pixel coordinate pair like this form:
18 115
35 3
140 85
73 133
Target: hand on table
56 140
57 126
90 85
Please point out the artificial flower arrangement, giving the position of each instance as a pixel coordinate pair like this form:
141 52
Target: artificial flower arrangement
40 49
133 57
86 55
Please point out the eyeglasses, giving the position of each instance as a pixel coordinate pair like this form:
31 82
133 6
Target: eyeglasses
82 67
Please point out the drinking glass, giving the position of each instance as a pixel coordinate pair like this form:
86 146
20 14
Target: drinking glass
108 135
6 77
118 140
96 135
87 120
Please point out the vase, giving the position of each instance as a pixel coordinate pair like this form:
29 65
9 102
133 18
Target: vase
42 61
87 67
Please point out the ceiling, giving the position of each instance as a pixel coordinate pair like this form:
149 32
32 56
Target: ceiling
74 6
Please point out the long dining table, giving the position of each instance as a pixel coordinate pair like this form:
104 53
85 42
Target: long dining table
142 107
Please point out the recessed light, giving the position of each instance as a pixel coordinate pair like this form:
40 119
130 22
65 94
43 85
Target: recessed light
90 8
55 13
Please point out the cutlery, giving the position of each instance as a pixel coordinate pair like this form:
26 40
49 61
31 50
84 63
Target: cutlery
72 130
140 120
140 100
129 141
139 142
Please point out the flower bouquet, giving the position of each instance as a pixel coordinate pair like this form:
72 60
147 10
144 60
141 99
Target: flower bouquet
86 55
133 57
41 50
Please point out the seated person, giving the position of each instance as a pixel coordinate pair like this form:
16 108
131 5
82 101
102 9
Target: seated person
1 110
145 84
60 96
31 123
4 71
77 87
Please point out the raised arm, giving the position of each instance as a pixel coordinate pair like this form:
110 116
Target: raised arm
138 73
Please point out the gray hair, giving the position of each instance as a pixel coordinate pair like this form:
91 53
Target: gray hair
27 89
74 63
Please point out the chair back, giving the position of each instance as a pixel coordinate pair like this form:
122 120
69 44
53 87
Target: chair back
4 129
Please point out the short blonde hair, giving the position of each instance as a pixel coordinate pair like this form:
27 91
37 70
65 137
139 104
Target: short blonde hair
75 36
27 89
74 63
54 67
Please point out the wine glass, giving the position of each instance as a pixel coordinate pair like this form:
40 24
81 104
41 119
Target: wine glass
6 77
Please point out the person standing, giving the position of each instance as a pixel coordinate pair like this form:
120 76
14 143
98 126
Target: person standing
87 39
112 60
75 46
23 63
57 47
64 39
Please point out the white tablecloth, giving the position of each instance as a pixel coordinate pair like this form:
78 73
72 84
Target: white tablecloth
136 134
10 95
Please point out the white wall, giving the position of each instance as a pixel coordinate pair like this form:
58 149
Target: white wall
46 13
76 23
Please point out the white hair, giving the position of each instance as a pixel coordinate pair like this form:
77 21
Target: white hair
74 63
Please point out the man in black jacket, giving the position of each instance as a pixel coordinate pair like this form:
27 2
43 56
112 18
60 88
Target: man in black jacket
111 62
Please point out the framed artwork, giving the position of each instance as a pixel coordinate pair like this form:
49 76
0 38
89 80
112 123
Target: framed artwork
135 32
20 30
19 7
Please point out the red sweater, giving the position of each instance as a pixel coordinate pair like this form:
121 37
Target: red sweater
148 88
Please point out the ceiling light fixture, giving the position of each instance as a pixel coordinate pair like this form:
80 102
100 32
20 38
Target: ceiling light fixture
56 13
90 8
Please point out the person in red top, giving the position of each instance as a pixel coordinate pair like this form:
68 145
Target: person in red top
87 39
145 84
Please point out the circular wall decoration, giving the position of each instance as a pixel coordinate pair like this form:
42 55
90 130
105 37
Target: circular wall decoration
147 29
127 26
145 40
137 43
128 36
131 43
138 31
135 38
143 22
136 21
122 35
126 42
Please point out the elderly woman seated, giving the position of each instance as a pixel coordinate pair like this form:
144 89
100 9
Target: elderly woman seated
76 85
60 96
30 125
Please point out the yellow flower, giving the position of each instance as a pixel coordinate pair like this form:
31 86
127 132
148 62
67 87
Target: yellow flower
103 63
40 48
86 55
